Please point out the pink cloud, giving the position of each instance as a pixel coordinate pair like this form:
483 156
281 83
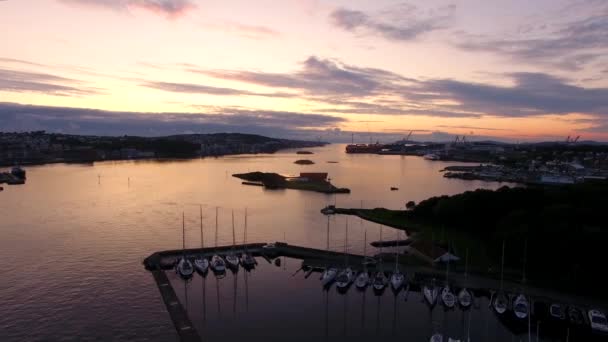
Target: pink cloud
170 8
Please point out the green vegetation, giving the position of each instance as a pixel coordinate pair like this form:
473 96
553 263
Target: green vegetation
563 230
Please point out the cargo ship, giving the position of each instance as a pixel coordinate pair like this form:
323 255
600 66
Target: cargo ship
364 148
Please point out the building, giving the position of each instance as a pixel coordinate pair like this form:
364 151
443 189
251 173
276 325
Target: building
314 176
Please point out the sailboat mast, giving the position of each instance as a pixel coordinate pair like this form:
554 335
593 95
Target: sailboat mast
245 230
233 234
202 236
365 243
216 229
345 244
502 267
183 231
328 233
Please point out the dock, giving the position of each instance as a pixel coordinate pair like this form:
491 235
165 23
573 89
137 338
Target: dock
316 260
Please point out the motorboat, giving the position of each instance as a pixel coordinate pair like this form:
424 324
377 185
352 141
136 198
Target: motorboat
556 311
328 276
500 303
521 306
379 281
217 264
436 338
430 294
201 264
345 278
397 280
431 156
329 210
362 280
464 298
597 320
184 267
447 297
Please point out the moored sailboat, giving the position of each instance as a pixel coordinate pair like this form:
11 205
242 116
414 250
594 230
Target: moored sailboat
247 259
464 296
232 260
217 263
500 301
201 263
397 278
362 279
346 276
184 266
329 274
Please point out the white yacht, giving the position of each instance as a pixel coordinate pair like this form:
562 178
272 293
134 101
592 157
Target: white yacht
362 280
329 275
430 294
464 298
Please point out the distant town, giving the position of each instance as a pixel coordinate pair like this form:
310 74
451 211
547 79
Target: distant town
548 163
41 147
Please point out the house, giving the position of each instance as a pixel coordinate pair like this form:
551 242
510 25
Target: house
314 176
432 252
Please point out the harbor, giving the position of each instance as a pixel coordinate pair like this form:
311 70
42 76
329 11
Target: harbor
418 279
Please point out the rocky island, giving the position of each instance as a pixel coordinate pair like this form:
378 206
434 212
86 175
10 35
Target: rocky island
304 162
306 181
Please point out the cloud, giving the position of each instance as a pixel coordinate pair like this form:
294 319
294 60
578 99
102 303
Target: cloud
243 30
404 23
23 81
19 61
346 89
533 94
570 45
318 77
169 8
475 127
190 88
16 117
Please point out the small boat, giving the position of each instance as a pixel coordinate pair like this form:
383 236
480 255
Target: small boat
379 281
329 210
1 188
217 264
201 263
362 280
184 266
397 280
597 320
18 172
521 306
430 294
328 276
447 297
436 338
464 298
500 303
345 278
232 260
431 156
394 188
575 316
247 260
369 261
556 311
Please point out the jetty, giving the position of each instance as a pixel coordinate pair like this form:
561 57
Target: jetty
316 260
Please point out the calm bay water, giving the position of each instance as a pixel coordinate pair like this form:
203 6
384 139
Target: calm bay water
73 238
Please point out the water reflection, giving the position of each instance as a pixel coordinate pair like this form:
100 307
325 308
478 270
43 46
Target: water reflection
281 301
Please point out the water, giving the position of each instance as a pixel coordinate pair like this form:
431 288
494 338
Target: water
73 238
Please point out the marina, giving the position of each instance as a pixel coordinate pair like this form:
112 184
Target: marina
417 283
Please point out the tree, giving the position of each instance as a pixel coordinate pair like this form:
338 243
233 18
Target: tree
410 205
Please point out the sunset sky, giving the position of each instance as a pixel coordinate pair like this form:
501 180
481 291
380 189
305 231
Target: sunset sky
513 70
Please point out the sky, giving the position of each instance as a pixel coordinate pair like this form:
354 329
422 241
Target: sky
508 70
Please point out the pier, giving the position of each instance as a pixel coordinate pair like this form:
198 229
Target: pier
316 260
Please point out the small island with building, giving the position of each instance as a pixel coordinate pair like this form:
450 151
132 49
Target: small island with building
310 181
